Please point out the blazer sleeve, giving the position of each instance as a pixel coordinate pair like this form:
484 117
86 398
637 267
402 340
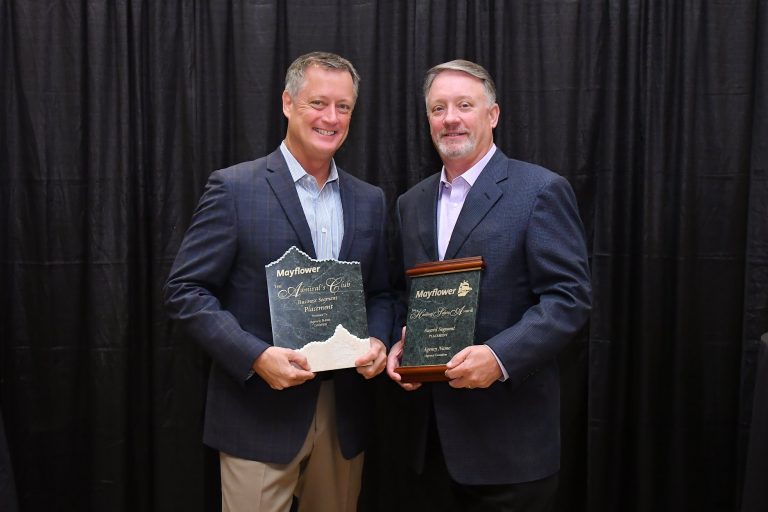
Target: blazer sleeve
378 294
556 255
398 279
199 274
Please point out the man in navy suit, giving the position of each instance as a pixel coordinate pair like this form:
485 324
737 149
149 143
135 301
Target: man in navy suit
494 425
281 430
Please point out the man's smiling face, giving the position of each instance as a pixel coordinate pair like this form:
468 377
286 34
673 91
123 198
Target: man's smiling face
461 120
319 114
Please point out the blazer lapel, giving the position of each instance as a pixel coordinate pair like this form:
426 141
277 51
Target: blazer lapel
349 213
279 178
427 216
481 198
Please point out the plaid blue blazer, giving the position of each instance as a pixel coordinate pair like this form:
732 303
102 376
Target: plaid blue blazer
248 216
535 296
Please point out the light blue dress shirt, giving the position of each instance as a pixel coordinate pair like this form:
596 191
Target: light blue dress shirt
322 206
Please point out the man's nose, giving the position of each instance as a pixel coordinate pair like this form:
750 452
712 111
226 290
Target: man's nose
451 115
330 114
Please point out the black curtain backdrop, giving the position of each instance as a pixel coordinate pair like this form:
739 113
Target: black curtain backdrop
114 112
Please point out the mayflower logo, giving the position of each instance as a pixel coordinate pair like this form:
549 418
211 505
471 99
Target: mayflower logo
461 291
434 292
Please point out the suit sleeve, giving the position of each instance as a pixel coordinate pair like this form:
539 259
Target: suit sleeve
558 269
378 294
399 283
202 268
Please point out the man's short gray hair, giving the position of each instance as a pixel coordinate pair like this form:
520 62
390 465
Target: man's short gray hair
464 66
294 77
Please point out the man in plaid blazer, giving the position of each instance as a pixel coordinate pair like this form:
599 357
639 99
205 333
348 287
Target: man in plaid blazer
281 430
494 426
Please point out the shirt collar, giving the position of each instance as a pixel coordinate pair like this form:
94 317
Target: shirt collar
471 174
297 171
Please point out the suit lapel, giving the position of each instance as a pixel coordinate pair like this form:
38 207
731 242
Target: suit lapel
481 198
427 216
349 213
279 178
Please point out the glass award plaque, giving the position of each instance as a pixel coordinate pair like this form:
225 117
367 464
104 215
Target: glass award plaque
318 308
442 307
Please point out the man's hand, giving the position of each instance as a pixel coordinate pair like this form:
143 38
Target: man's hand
372 362
473 367
282 368
393 361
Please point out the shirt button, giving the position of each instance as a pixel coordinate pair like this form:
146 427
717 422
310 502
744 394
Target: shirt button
324 230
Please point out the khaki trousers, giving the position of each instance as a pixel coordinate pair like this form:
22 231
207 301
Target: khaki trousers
321 478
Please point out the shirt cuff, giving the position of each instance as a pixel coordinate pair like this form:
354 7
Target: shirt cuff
504 374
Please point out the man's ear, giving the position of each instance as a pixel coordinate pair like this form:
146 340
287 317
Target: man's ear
494 113
287 104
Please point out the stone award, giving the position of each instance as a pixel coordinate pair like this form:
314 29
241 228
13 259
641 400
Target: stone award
442 308
318 308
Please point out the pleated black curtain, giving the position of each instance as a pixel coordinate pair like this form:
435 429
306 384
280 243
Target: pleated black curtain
115 112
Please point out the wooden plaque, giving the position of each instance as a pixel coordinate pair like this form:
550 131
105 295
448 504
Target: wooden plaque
442 307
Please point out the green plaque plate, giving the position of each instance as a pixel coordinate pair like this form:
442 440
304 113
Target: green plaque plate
442 308
317 307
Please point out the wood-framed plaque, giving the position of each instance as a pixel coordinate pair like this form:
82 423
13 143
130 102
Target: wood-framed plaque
318 308
442 307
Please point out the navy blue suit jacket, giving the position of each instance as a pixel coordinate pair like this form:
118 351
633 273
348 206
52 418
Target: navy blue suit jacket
248 216
534 297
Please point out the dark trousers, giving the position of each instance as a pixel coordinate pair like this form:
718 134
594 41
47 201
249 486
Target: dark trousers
535 496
